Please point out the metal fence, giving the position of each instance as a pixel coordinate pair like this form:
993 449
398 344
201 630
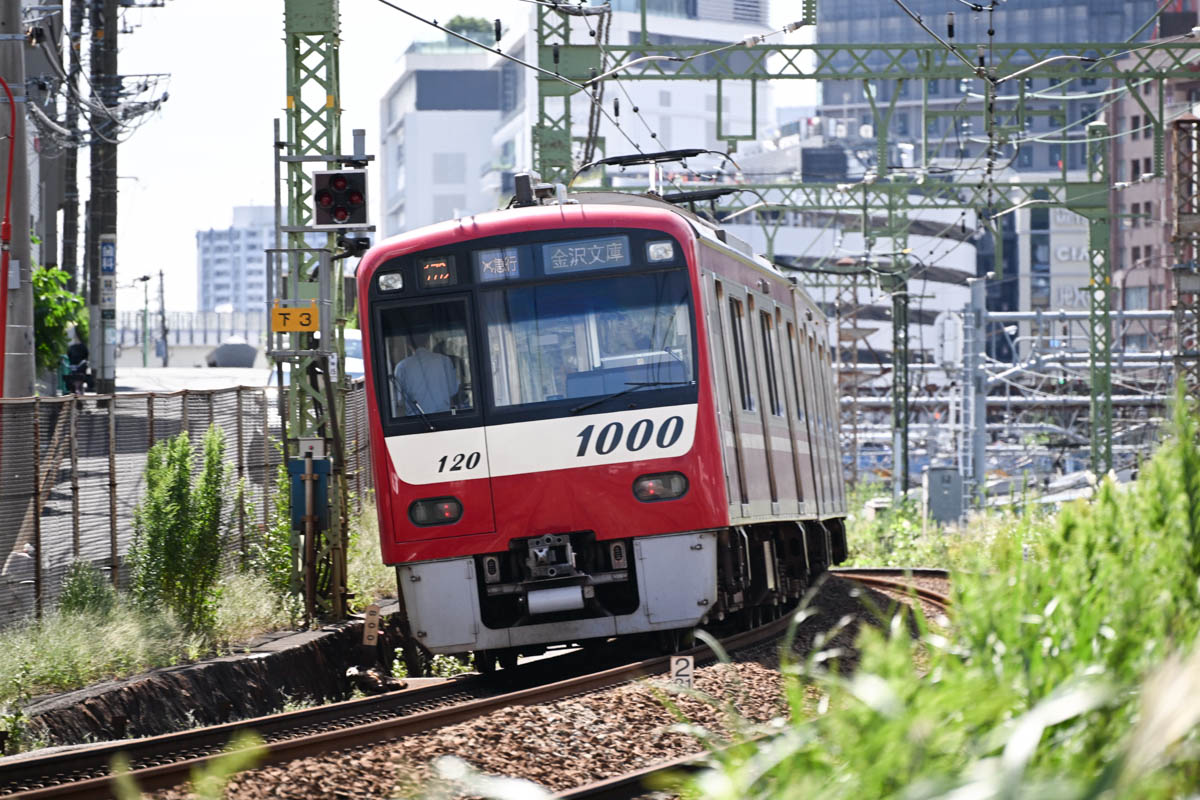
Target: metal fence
71 475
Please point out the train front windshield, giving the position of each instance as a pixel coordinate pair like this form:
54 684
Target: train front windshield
587 338
541 329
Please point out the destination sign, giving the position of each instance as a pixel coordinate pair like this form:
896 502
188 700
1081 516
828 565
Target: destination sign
586 254
498 265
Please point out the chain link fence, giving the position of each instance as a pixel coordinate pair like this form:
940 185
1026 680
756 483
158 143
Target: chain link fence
71 476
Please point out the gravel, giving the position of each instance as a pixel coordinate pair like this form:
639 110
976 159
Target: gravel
579 739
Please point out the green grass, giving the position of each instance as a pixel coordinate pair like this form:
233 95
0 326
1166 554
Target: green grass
898 537
368 577
100 636
1070 671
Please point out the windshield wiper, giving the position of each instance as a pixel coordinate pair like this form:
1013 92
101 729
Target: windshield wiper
421 411
629 387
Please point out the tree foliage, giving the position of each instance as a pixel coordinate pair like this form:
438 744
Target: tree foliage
176 552
54 310
478 26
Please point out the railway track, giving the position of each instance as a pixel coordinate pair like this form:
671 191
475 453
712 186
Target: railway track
633 784
164 761
896 579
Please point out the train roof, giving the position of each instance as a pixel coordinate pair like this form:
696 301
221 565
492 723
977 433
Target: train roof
584 206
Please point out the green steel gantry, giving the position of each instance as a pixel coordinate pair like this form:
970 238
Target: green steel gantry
888 196
315 399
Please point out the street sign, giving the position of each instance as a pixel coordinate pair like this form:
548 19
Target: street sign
108 255
295 319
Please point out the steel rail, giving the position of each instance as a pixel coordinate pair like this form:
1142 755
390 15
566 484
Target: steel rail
916 572
83 760
881 578
175 772
633 784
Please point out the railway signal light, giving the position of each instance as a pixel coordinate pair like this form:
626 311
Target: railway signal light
339 198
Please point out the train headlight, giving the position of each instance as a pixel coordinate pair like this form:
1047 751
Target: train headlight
435 511
391 282
660 251
660 486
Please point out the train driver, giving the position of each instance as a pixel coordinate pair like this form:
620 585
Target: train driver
427 381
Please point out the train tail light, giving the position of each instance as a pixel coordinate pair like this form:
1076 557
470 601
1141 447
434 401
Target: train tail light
661 486
435 511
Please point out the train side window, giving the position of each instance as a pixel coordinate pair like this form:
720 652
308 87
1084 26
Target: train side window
739 353
791 334
776 407
812 355
824 365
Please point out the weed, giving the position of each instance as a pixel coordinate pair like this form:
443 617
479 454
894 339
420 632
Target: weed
87 590
1071 670
272 556
249 606
177 545
368 577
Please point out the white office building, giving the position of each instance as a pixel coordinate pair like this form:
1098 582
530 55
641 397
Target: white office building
457 124
437 121
230 264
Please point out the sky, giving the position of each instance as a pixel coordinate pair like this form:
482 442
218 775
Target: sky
208 148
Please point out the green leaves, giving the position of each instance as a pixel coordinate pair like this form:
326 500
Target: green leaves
54 309
176 552
1072 669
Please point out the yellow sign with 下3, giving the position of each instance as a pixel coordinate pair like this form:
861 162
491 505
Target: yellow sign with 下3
295 319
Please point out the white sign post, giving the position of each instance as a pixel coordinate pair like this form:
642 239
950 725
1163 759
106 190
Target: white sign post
682 669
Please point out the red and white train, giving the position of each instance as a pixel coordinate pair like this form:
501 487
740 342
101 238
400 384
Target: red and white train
596 418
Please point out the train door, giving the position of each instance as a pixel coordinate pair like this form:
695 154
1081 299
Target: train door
835 443
823 366
777 436
727 374
831 427
752 436
808 351
801 441
426 367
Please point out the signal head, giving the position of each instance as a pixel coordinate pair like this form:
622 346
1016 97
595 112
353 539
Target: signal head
339 198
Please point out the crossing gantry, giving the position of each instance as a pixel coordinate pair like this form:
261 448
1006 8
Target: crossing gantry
887 198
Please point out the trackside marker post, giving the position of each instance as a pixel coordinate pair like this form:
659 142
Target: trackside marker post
371 625
681 671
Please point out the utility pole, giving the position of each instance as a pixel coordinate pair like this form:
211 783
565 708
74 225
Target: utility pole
162 317
41 76
18 342
145 280
102 228
70 206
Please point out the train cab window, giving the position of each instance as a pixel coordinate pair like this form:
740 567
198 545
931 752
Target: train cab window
588 338
768 334
739 353
427 359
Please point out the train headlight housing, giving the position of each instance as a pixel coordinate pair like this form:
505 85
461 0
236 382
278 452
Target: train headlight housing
660 486
390 282
435 511
660 251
